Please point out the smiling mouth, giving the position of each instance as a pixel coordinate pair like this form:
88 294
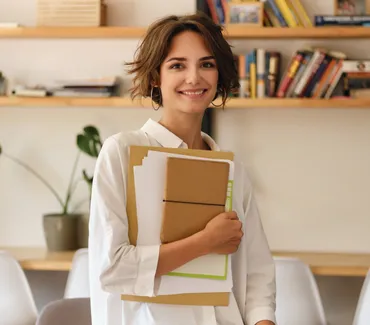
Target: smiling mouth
193 94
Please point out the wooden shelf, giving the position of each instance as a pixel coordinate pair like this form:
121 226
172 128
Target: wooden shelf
72 32
123 102
40 259
333 264
234 32
328 264
231 32
233 103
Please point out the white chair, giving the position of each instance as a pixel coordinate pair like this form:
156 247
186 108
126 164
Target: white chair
66 312
362 314
77 285
17 305
298 299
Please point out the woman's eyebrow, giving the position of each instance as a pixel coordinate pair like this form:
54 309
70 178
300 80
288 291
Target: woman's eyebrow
210 57
176 59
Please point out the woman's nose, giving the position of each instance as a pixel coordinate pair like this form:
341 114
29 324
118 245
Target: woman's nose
192 76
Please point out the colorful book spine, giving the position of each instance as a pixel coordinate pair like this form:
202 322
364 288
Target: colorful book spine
242 77
267 70
253 73
219 11
307 57
290 73
273 73
287 14
324 83
273 19
317 92
307 74
316 75
334 80
248 76
261 64
330 20
275 9
356 66
213 11
298 8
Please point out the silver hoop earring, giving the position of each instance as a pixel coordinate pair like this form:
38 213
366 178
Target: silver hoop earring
151 96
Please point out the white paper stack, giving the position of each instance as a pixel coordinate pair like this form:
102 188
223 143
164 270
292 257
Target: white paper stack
203 274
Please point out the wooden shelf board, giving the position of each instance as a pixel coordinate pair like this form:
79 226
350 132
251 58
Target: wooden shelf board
73 102
333 264
73 32
296 33
232 103
34 258
231 32
327 264
297 103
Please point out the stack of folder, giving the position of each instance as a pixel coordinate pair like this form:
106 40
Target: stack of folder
173 194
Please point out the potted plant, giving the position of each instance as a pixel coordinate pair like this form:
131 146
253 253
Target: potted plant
89 143
61 228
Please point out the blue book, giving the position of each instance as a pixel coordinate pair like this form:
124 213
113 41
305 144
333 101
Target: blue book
275 9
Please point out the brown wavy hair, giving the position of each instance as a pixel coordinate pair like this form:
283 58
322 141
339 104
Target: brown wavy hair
155 47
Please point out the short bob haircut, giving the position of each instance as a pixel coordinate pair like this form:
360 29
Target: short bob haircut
155 47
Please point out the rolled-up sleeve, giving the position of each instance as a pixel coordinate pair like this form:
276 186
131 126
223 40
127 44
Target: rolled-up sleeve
261 287
118 266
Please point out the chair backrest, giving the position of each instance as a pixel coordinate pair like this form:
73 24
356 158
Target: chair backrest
77 285
298 299
75 311
17 305
362 314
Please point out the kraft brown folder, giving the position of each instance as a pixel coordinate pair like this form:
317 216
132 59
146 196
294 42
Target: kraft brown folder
195 193
137 154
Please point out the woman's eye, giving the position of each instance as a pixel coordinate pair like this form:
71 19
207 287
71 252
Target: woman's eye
208 65
176 66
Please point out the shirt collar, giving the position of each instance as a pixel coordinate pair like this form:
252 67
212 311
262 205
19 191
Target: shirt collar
167 139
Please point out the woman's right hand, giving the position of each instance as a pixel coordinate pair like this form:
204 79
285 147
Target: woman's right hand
223 233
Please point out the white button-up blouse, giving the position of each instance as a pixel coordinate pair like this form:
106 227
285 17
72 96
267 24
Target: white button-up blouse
116 267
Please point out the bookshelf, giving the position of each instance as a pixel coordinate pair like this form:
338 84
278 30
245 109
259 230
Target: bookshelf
231 32
233 103
321 263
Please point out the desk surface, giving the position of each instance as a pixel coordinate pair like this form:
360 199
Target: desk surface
331 264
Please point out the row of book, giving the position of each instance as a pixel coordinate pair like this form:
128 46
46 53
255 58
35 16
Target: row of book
285 13
259 72
276 13
311 73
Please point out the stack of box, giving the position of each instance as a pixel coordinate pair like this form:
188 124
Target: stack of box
84 13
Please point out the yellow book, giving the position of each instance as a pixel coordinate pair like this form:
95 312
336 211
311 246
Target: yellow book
287 14
296 16
253 80
301 12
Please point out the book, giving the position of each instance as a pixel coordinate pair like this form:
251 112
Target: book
286 12
330 20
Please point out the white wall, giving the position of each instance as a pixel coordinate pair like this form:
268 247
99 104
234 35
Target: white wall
309 166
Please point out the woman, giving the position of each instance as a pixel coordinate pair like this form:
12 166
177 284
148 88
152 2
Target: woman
183 64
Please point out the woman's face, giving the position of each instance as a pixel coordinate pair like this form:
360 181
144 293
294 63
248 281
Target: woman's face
188 75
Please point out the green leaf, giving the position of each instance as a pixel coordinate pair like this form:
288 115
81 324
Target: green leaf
91 131
1 149
83 144
89 141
